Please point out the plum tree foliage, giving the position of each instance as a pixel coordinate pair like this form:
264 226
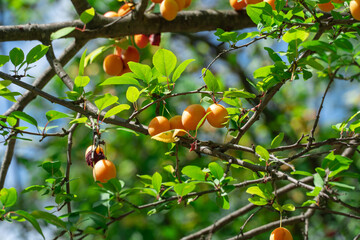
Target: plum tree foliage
276 157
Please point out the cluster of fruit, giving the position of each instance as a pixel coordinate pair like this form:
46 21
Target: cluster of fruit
170 8
103 169
116 64
216 115
123 10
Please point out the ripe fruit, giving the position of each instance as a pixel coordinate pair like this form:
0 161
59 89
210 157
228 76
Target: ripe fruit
355 9
181 4
141 40
272 3
124 9
176 123
337 1
326 7
130 54
158 125
111 14
252 1
187 3
192 116
113 64
103 171
169 9
91 158
281 233
237 5
217 116
156 1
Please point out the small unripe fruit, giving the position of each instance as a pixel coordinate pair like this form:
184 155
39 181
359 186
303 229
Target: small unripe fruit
93 155
192 116
281 234
113 64
169 9
176 123
218 115
158 125
355 9
237 5
103 171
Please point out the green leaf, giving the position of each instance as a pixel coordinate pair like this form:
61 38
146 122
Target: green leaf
164 61
234 93
315 192
115 110
11 120
303 173
263 72
50 218
25 117
180 69
51 167
54 115
132 94
194 172
223 201
273 55
3 59
87 15
183 189
355 125
104 101
260 13
114 185
319 46
61 33
318 181
308 203
7 94
156 181
16 56
8 197
97 52
277 207
288 207
34 188
120 80
344 44
255 190
216 170
277 140
298 35
210 80
36 53
81 81
263 153
82 65
342 186
30 219
79 120
141 71
258 201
